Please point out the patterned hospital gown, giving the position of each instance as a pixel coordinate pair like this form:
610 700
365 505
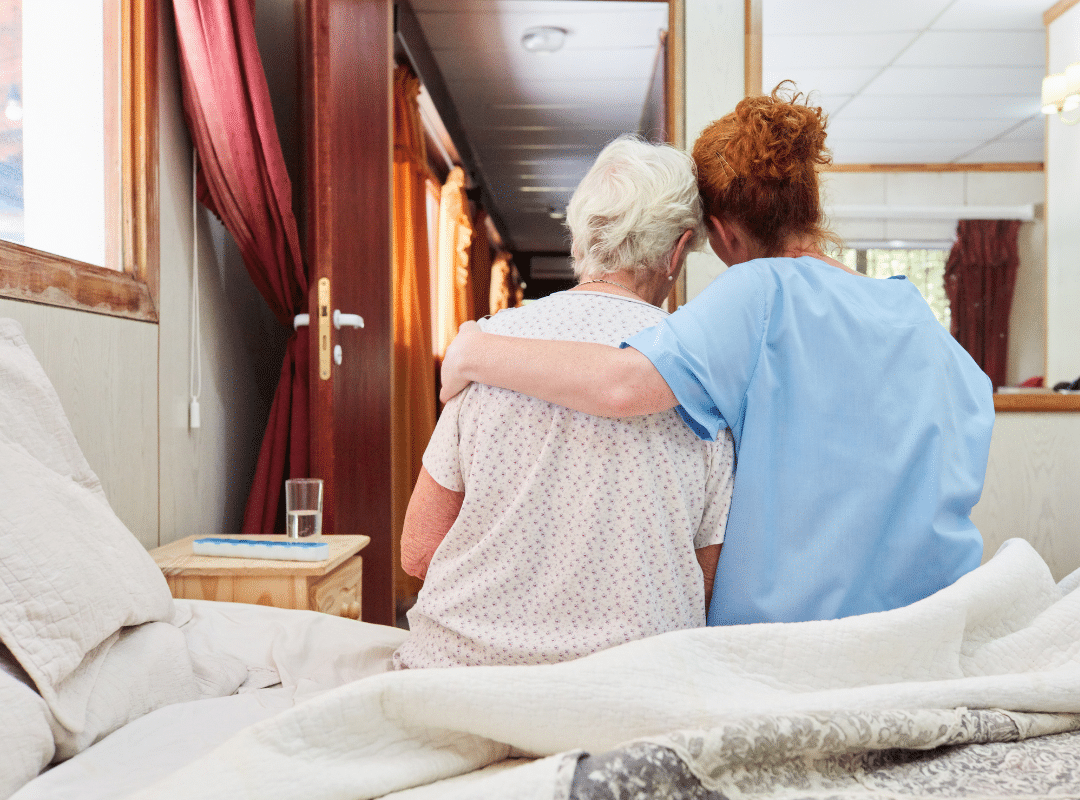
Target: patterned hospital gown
576 533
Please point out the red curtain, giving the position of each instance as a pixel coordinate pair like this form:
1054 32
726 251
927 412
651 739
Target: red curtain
242 179
980 276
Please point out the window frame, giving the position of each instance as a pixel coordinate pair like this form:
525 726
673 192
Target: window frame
131 209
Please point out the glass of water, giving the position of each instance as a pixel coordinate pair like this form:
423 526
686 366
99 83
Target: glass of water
303 507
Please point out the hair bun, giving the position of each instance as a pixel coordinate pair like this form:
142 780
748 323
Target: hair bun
782 137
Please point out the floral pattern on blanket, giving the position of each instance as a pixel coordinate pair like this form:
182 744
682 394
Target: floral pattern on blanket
946 753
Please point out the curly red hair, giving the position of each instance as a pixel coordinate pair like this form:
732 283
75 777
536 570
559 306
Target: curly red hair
758 166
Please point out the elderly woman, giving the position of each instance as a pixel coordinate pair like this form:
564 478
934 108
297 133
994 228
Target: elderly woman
544 534
861 427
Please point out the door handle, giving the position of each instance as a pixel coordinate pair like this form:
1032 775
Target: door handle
340 321
347 320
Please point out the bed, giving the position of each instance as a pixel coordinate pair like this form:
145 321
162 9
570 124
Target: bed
111 689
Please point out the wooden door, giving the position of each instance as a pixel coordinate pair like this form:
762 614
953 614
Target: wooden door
347 222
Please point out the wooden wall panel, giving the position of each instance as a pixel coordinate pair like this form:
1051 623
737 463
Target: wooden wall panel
105 371
1031 487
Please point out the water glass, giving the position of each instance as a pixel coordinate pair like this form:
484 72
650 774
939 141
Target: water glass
303 507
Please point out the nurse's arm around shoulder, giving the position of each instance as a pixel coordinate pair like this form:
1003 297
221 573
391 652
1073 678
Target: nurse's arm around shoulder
592 378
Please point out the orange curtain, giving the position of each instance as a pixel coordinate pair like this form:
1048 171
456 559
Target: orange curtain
454 303
506 290
412 369
499 294
480 265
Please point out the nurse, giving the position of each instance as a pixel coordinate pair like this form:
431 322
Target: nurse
861 427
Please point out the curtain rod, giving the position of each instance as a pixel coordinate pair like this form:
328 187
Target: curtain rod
1021 212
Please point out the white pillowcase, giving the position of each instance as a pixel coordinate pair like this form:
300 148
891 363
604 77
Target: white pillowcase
26 742
71 573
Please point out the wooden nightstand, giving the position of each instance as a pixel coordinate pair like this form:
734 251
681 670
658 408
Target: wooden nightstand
332 587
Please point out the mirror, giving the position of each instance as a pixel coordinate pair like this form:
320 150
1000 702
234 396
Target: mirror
880 77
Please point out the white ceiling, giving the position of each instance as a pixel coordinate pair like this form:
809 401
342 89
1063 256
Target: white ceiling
919 81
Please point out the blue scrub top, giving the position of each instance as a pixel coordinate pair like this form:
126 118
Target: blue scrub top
861 431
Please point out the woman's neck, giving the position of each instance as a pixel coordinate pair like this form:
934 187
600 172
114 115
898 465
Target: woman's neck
623 284
796 248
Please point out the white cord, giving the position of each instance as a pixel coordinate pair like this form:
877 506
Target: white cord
195 375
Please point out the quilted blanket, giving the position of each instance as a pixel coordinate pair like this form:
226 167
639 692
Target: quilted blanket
1005 638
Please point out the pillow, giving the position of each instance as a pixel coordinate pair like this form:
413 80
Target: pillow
26 743
71 574
31 414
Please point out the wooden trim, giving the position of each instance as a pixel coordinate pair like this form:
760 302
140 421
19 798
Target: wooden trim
1007 166
675 83
141 235
1057 10
1037 401
752 49
114 178
130 289
675 108
39 277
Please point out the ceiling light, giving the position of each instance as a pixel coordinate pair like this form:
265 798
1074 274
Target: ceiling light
543 39
554 213
1061 94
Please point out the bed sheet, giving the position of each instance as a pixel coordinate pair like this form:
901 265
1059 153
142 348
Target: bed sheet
1003 639
291 656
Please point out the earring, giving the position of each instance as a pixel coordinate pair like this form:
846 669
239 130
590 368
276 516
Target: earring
671 277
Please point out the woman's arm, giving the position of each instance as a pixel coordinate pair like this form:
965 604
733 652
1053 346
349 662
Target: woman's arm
708 557
432 511
593 378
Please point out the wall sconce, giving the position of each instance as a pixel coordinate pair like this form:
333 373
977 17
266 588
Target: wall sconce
1061 94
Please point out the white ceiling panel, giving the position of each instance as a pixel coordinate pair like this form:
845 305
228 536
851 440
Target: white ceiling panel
976 49
562 7
922 81
484 137
848 16
833 50
858 151
887 108
595 115
990 15
914 129
1006 151
990 81
478 31
513 64
809 79
1032 130
629 92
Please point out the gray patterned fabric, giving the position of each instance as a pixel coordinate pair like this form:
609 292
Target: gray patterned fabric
982 755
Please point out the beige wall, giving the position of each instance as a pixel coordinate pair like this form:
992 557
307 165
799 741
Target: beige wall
205 473
714 81
105 372
1063 214
1031 487
125 384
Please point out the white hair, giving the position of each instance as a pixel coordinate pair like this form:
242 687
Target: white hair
630 209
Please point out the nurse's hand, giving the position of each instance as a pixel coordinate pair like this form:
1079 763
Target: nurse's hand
453 365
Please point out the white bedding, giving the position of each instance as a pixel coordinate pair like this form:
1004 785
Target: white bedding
1004 636
290 656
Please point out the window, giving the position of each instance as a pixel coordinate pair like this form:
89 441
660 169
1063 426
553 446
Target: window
120 136
924 268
